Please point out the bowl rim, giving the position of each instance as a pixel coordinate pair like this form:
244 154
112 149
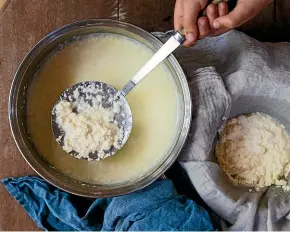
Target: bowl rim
57 181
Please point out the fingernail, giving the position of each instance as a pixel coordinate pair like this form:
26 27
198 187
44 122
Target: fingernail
190 37
216 24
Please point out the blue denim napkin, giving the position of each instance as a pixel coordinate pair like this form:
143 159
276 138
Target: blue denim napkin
156 207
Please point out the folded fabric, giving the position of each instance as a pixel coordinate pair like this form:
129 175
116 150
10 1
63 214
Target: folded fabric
248 76
245 76
157 207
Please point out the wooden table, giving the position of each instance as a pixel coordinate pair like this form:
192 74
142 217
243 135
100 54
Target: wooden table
24 22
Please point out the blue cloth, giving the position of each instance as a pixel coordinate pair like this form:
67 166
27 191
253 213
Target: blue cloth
156 207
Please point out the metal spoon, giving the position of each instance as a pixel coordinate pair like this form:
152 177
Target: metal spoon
124 118
107 92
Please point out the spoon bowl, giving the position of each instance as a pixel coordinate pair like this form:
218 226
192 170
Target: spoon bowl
107 96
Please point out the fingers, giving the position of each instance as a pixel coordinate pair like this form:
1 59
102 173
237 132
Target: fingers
178 14
190 14
223 9
241 13
186 15
180 20
212 13
218 19
203 27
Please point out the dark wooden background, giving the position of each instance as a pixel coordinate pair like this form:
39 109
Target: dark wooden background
24 22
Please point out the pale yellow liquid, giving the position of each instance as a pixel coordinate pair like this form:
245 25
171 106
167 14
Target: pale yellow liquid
153 102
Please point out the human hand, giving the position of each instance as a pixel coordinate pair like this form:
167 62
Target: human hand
218 19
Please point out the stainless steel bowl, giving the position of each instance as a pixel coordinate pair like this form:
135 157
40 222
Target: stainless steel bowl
25 74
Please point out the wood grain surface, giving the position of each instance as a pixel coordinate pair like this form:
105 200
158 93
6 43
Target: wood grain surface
149 15
24 22
2 3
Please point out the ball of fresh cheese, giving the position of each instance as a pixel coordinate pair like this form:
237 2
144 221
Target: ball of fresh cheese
254 151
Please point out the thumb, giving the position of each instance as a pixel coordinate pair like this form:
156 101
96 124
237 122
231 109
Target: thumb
235 18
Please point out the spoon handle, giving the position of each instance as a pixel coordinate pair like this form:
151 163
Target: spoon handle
172 43
156 59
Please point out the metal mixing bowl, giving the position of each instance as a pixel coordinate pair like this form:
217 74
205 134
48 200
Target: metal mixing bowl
18 99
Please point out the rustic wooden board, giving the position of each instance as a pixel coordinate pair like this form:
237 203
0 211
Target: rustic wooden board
282 20
24 22
282 9
151 15
261 27
2 3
